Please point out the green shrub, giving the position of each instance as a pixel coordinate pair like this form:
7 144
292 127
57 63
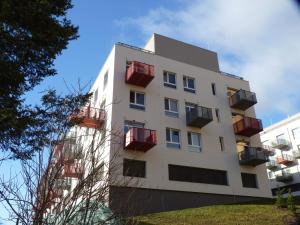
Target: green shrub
291 201
280 201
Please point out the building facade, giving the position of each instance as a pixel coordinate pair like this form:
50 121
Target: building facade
190 136
283 168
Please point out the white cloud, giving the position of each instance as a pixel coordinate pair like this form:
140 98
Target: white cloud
263 35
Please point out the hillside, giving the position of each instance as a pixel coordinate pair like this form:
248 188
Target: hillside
252 214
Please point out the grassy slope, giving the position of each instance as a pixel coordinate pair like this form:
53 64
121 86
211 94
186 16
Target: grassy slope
252 214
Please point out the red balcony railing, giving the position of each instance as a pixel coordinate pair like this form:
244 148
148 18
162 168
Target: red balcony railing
140 139
247 126
139 74
89 117
74 170
285 159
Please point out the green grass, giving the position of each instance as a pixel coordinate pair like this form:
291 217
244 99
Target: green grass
245 214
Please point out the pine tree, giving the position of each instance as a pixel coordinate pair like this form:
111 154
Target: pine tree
291 201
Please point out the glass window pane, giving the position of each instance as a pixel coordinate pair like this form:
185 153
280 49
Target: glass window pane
172 79
184 82
175 136
165 77
166 104
132 97
140 98
173 105
168 134
189 138
195 139
191 83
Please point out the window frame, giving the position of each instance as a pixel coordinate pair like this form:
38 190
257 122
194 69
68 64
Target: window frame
135 105
256 181
167 83
192 147
169 112
296 134
130 124
171 143
217 112
125 172
186 84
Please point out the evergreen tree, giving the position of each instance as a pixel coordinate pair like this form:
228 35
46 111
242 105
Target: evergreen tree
291 201
280 202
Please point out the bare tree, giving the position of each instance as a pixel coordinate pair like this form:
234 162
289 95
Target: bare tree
69 182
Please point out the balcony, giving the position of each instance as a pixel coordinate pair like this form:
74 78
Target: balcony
252 156
56 193
285 160
269 150
284 177
198 116
272 165
247 126
296 154
74 170
139 74
281 144
63 184
89 117
140 139
242 99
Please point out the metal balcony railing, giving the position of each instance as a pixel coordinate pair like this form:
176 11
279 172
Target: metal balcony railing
139 74
247 126
281 144
285 159
272 165
140 139
252 156
284 177
199 116
89 117
242 99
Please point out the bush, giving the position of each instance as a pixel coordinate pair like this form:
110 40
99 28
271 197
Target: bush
280 201
291 201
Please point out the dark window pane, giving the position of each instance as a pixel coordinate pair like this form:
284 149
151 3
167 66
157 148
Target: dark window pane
191 83
134 168
140 98
132 96
168 134
172 79
189 138
197 175
249 180
166 104
175 136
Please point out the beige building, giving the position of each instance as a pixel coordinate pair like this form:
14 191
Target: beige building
190 133
283 138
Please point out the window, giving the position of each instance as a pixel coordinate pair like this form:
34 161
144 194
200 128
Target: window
296 133
280 137
173 138
134 168
137 100
271 175
218 115
95 97
128 124
221 141
197 175
171 107
194 141
100 173
298 146
105 78
169 79
189 106
189 84
102 106
249 180
213 88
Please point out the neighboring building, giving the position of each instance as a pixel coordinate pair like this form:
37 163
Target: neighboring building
190 133
283 167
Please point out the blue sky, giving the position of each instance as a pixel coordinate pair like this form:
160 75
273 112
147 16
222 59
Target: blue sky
257 40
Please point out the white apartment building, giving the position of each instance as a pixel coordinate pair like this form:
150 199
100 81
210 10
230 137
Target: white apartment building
190 133
283 167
